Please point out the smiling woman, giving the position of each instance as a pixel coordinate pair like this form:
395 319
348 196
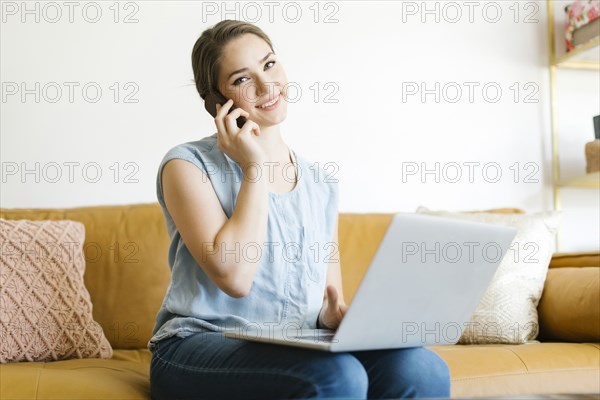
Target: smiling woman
241 227
258 85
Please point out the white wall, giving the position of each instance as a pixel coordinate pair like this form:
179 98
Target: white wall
371 55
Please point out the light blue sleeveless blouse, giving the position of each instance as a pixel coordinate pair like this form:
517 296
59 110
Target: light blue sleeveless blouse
290 281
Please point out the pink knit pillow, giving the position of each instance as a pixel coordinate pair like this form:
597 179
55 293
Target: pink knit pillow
45 308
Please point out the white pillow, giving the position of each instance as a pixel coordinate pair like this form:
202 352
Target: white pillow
507 312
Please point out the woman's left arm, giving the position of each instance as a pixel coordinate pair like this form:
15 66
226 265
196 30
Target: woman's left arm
334 305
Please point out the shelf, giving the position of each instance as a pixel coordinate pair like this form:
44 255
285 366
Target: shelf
586 181
584 56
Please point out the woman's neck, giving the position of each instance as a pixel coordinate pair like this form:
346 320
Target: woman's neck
272 143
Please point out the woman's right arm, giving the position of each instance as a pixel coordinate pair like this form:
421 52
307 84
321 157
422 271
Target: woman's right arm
216 242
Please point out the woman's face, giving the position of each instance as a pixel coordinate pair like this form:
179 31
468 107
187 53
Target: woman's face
251 76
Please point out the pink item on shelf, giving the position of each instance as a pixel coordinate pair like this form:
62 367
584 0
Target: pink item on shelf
579 14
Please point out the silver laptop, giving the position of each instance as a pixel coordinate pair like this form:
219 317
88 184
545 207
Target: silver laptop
422 287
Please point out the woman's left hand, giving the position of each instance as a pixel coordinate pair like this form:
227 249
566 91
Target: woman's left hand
332 312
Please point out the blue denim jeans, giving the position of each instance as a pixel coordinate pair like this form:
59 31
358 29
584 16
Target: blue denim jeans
210 366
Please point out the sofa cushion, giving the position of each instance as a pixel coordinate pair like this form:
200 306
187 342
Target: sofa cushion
476 371
491 370
569 309
507 312
127 273
45 308
125 376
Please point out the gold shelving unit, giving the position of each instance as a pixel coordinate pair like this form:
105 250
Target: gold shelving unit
583 57
585 181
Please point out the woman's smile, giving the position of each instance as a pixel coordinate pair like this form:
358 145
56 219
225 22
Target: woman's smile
270 105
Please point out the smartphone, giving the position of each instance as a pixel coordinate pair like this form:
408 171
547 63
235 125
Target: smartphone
211 101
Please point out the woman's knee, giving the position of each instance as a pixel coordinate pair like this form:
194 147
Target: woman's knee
439 373
340 375
429 374
409 372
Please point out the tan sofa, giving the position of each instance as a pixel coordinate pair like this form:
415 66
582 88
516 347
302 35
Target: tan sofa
127 275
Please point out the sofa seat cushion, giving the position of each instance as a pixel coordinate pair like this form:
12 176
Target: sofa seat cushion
124 376
532 368
476 370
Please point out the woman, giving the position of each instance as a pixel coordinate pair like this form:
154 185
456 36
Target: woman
234 208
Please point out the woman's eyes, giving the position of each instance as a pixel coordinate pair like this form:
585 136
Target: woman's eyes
238 81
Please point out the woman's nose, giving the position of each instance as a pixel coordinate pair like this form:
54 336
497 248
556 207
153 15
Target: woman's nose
265 88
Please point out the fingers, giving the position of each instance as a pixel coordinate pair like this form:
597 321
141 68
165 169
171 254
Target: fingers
222 110
250 127
219 121
227 122
230 119
332 296
333 312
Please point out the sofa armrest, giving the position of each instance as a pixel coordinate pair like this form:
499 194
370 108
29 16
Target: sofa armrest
569 309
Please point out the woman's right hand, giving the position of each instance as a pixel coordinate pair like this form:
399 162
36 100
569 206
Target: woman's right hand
238 143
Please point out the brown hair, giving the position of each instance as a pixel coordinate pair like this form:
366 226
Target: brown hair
208 49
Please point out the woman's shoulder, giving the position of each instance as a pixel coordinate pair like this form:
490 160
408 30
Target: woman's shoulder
205 145
203 152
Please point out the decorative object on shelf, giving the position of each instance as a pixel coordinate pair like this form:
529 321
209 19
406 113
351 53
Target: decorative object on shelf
592 156
592 149
582 23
